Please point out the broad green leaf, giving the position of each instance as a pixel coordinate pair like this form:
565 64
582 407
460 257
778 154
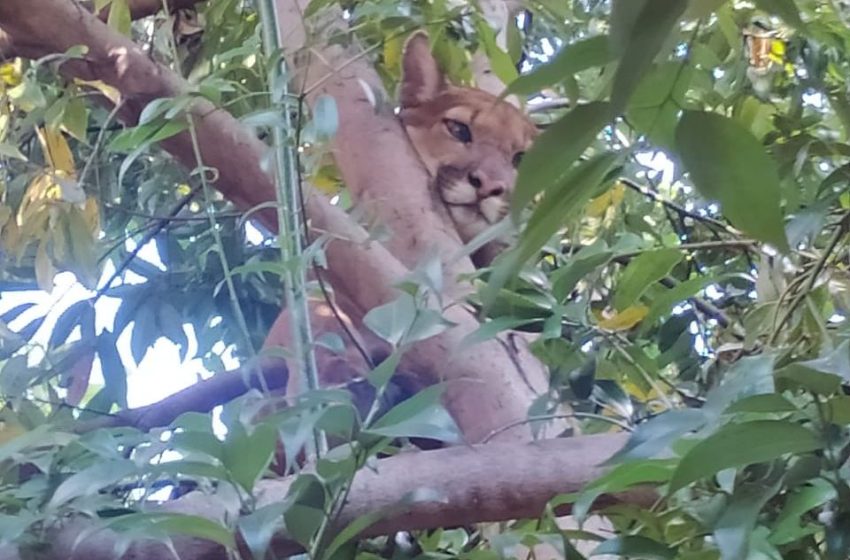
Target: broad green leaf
119 16
258 527
727 164
767 403
749 376
665 302
247 455
91 480
738 445
657 434
816 492
422 415
555 151
733 529
619 478
639 28
642 272
392 320
76 118
572 58
156 524
635 546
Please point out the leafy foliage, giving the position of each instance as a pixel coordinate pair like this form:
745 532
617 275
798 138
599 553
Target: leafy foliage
681 264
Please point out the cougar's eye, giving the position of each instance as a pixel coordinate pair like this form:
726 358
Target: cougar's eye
459 130
518 158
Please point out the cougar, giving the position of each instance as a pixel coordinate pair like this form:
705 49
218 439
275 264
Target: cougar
470 141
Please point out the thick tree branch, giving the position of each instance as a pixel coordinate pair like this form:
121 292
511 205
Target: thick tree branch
385 176
494 482
268 374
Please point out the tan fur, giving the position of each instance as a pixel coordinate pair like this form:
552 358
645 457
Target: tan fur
475 179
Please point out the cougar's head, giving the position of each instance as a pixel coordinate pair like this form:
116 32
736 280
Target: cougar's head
470 141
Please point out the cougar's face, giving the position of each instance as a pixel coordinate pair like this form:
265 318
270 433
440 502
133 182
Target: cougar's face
471 142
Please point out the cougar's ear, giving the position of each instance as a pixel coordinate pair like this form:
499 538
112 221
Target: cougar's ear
421 78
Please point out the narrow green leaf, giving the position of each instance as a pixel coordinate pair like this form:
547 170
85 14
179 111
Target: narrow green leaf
8 150
729 165
572 58
556 150
786 9
422 415
563 201
738 445
638 31
642 272
635 546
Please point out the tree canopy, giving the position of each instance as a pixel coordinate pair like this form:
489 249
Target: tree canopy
669 324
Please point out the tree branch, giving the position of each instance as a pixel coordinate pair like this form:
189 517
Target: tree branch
483 483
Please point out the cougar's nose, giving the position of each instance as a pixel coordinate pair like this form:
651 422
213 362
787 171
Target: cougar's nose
484 186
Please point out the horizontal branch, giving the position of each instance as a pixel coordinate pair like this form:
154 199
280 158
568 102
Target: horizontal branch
482 483
269 374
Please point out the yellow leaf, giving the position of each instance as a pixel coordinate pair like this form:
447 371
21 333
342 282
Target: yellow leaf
91 215
183 189
392 55
625 319
108 91
326 179
10 430
11 73
44 270
609 199
56 150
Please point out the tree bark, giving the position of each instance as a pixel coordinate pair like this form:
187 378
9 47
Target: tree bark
494 482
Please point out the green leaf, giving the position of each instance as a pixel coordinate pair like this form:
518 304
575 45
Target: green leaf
733 529
75 119
258 527
114 372
767 404
119 16
247 455
91 480
635 546
642 272
174 524
786 9
325 117
727 164
738 445
622 477
657 434
639 28
815 493
572 58
556 150
392 320
79 313
422 415
588 259
11 151
563 201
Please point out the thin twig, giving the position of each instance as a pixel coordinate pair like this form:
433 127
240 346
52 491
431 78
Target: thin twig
547 417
